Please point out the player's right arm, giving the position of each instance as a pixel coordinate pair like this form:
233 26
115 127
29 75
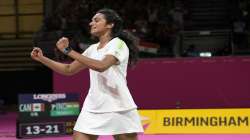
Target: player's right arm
65 69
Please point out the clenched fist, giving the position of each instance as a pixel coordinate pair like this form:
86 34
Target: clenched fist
36 53
62 43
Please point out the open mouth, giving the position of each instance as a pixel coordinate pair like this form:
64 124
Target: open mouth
93 28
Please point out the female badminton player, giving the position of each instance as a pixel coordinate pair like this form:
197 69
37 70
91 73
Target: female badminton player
109 108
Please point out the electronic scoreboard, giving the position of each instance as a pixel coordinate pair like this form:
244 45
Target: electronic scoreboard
46 114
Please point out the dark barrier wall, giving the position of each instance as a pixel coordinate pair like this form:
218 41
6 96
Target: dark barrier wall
33 81
221 82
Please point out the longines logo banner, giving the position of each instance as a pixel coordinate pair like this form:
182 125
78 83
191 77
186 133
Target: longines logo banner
196 121
49 97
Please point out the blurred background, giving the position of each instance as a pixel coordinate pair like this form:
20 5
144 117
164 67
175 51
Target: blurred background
166 28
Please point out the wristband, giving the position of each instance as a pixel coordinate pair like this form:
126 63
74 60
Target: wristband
67 50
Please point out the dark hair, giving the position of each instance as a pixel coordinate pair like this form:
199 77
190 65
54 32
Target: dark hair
117 31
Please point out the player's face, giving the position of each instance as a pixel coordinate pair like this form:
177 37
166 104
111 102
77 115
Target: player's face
98 25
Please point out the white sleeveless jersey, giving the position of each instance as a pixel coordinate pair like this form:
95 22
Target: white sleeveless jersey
108 90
